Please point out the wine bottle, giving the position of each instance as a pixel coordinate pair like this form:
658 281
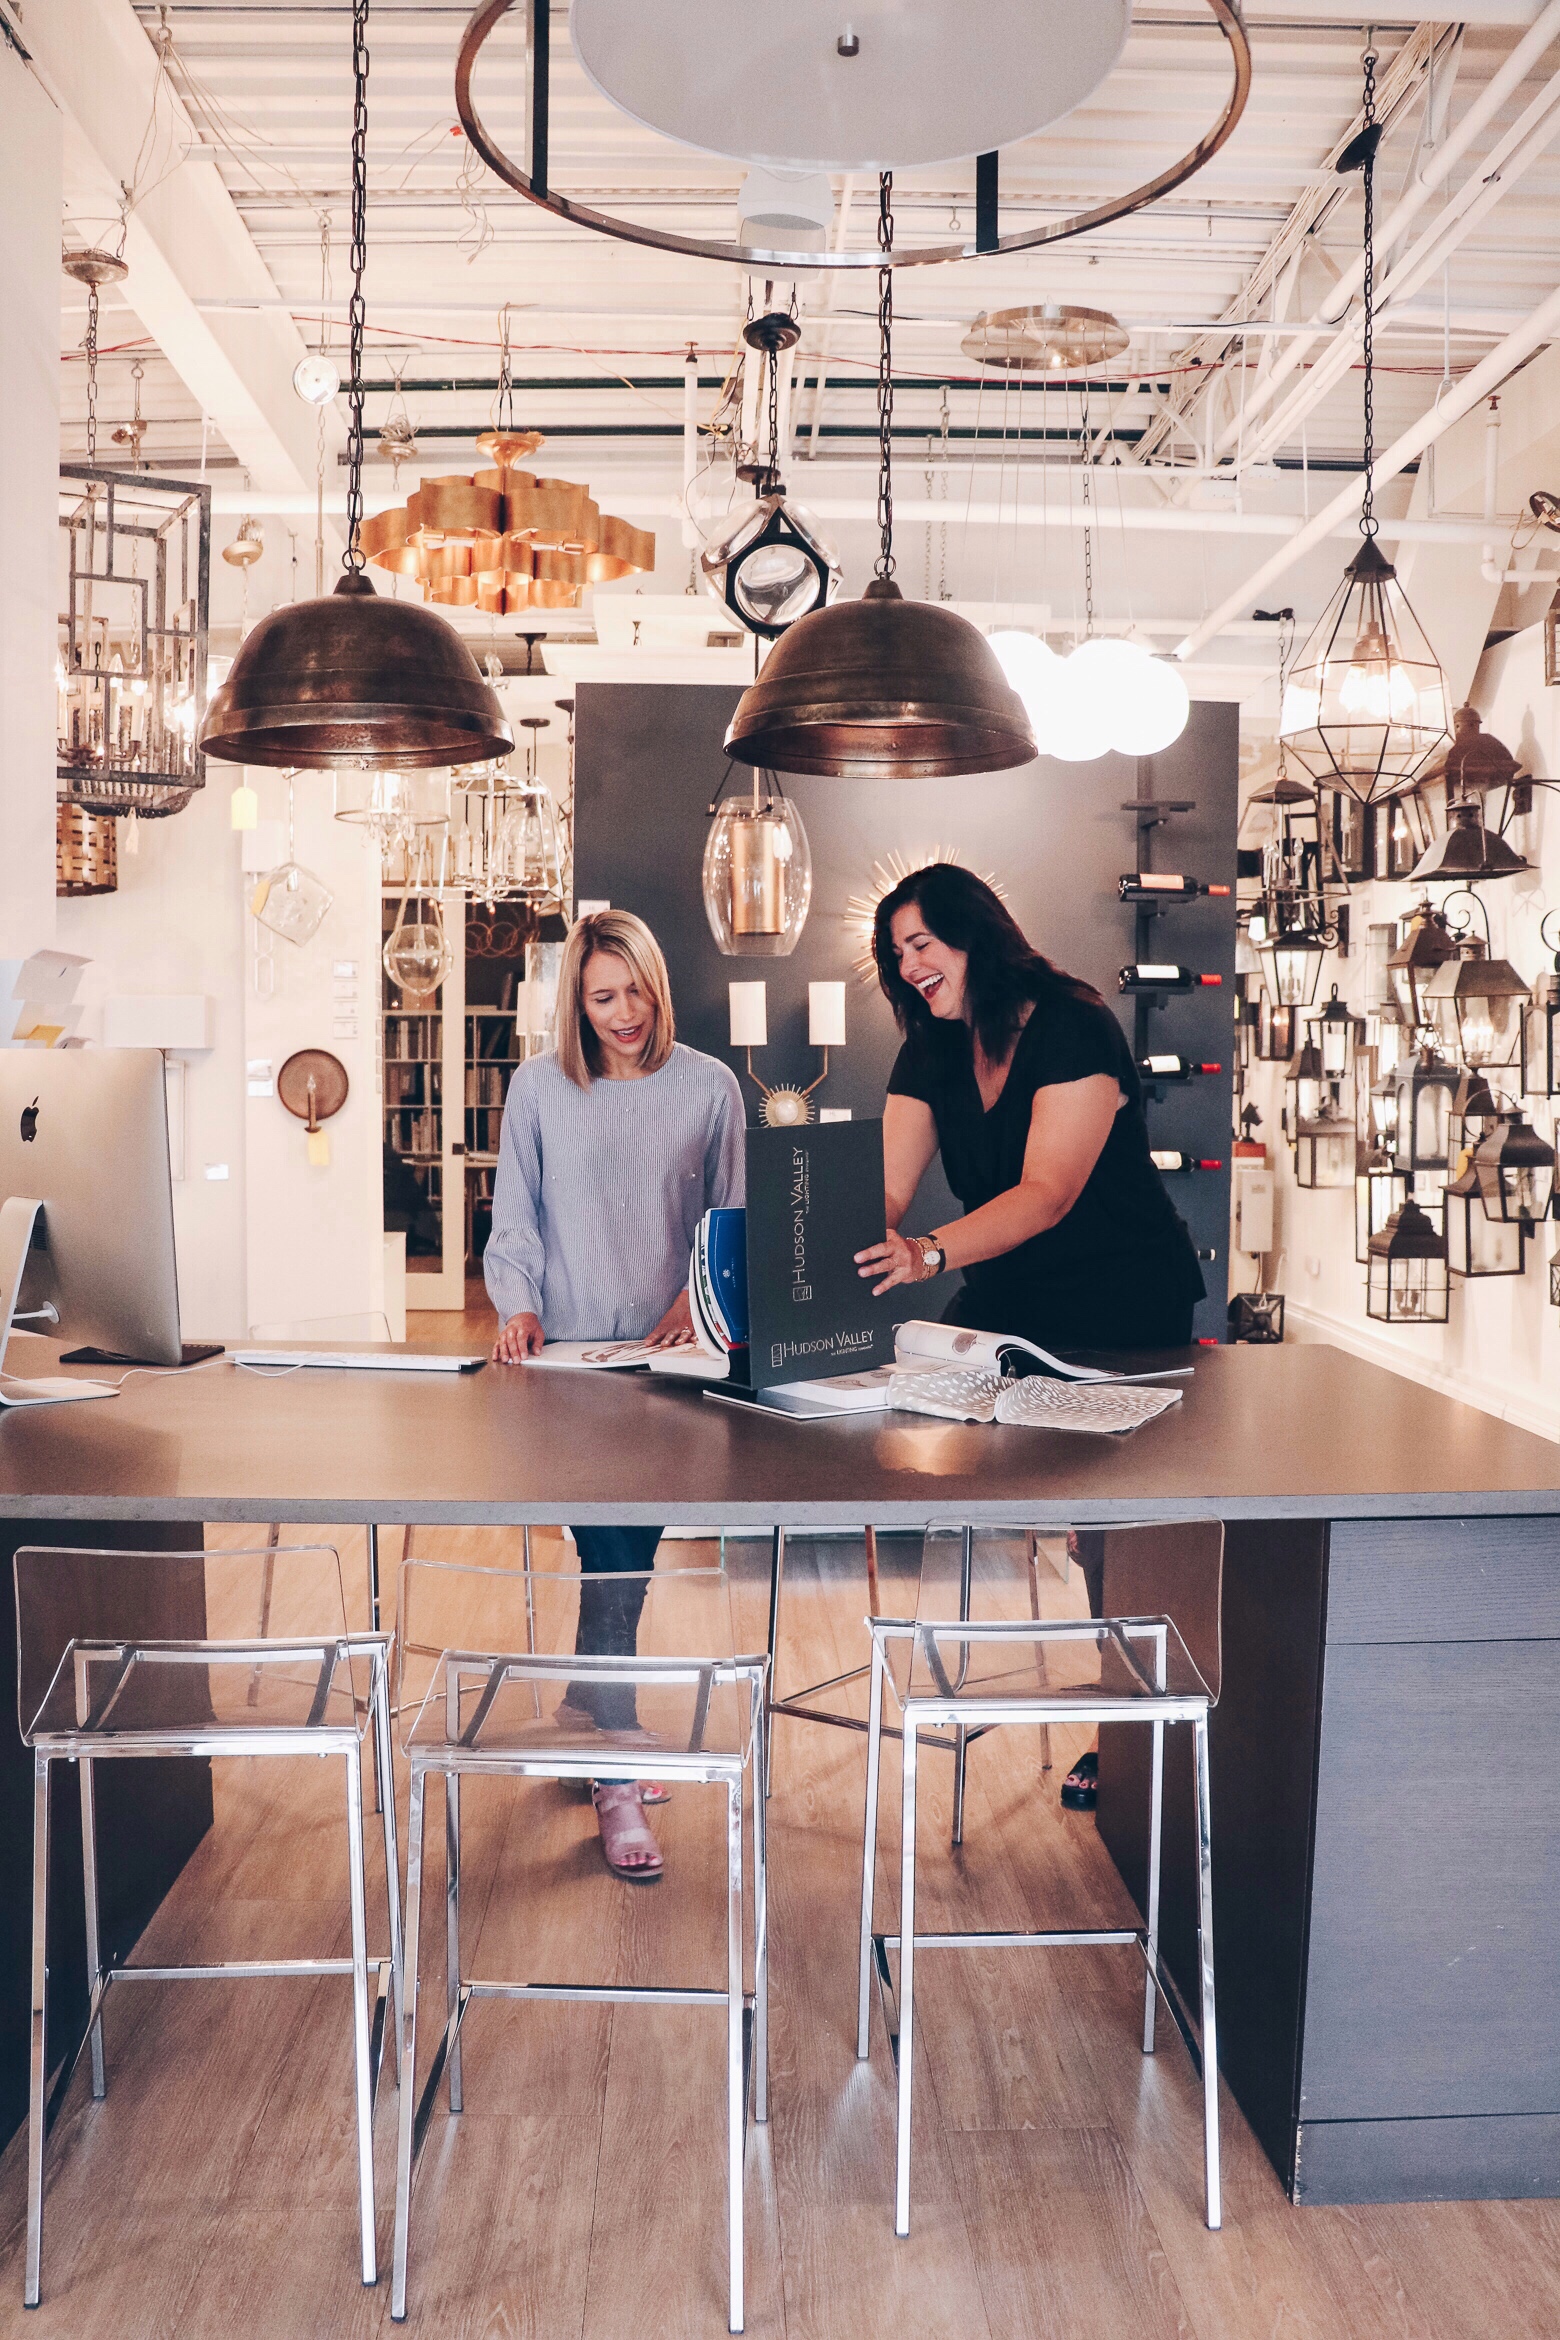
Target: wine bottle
1173 1068
1172 1158
1152 885
1158 977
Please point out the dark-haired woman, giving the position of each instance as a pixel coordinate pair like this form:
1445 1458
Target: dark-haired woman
1021 1078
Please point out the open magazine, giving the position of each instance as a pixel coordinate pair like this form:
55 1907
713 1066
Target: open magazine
982 1352
717 1304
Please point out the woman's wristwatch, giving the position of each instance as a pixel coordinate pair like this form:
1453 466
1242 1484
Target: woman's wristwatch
933 1257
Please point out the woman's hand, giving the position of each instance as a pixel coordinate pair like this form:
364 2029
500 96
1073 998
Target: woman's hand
675 1330
520 1338
895 1259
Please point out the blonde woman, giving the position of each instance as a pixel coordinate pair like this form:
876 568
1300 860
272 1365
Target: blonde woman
613 1147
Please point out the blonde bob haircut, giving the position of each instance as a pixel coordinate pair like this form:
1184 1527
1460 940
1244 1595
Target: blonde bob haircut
629 939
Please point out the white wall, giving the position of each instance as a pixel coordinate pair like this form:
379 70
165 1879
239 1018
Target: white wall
1501 1349
30 147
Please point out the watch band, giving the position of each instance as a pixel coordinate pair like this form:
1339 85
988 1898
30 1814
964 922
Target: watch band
933 1257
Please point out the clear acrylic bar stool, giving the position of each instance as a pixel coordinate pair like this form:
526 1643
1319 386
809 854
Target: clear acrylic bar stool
91 1688
972 1661
489 1685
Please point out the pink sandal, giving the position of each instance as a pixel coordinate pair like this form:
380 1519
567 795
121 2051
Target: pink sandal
620 1817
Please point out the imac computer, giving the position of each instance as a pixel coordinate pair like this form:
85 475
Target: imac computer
86 1212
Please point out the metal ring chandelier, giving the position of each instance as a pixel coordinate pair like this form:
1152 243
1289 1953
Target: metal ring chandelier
533 183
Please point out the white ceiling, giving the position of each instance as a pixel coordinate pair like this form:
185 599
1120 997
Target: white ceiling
265 86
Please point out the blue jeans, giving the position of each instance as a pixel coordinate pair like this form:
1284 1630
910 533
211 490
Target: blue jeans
609 1614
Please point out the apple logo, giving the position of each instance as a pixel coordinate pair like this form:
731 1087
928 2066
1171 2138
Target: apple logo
29 1122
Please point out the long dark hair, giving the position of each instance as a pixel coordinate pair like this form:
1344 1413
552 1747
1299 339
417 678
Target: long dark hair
1006 973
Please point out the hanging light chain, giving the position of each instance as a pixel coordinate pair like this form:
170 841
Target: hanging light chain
359 262
885 502
1368 522
504 402
772 361
91 347
1088 510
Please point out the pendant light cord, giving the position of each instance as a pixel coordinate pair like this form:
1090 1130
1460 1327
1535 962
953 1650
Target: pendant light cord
1369 525
354 562
885 500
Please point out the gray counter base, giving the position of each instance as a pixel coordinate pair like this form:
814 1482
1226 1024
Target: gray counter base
1496 2157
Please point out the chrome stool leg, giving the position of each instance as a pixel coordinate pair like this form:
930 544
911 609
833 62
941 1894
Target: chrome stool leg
371 1535
452 1926
1210 2036
89 1882
760 1918
1032 1556
961 1749
906 1983
407 2040
776 1574
869 1853
39 2065
1156 1806
384 1772
736 2105
360 2056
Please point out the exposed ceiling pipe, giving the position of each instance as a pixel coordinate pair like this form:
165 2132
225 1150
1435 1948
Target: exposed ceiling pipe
1506 165
1481 112
1488 375
826 321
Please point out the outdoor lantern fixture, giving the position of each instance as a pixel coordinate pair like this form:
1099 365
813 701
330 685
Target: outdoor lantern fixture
1422 1135
1406 1275
1384 1111
882 688
1516 1173
1303 1089
1473 1109
1379 1189
1291 965
1335 1036
1275 1030
1404 832
1552 677
771 564
1325 1151
1540 1058
1428 942
757 872
1476 1004
1476 1244
352 679
1364 706
1466 851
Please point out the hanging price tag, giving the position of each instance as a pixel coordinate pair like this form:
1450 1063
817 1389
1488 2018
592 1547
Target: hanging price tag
319 1150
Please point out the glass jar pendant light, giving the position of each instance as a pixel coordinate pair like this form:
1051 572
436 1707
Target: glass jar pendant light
351 678
757 873
772 564
1365 704
882 688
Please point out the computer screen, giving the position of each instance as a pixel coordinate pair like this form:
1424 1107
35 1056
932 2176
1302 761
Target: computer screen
84 1131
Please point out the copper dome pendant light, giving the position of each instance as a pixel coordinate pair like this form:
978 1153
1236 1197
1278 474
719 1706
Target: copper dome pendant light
352 679
882 688
1365 705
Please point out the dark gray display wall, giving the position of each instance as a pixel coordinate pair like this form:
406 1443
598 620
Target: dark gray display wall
1053 836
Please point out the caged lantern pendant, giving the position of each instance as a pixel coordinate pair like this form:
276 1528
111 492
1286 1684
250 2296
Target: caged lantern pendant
1365 705
352 679
882 688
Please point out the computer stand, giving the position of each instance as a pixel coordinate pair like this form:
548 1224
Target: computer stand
18 1218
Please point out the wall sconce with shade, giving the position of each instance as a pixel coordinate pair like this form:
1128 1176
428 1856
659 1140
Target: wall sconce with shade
1476 1244
786 1107
757 872
1516 1173
1467 852
1406 1278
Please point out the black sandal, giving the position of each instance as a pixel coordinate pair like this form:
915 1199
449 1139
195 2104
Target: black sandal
1080 1787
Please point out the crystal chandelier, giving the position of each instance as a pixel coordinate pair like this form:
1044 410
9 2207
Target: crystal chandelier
1365 705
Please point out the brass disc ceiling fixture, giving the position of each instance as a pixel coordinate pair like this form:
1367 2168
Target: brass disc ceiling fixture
504 540
848 52
352 679
882 688
1051 339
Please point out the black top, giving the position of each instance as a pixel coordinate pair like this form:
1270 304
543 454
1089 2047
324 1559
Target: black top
1120 1270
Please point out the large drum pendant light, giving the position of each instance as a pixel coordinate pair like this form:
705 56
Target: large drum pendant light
1365 706
351 679
882 688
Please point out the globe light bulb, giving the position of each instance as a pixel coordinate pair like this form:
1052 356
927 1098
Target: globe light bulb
1075 725
1376 688
1031 667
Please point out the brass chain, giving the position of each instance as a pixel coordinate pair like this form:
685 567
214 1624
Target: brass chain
1369 525
359 262
885 498
91 347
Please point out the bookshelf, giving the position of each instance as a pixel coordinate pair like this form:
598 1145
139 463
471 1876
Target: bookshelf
424 1146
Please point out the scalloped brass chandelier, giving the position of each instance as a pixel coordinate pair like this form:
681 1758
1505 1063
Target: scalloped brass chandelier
504 540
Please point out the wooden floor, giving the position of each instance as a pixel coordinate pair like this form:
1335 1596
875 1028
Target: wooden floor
1057 2185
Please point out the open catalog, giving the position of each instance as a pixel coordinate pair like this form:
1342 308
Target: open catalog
717 1304
964 1376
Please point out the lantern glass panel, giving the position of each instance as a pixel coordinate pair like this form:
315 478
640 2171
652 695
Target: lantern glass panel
1377 1194
1538 1049
1295 964
1407 1291
1478 1245
1489 1031
1324 1155
1431 1123
1365 703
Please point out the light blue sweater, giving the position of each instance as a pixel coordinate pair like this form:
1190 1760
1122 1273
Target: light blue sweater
599 1191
